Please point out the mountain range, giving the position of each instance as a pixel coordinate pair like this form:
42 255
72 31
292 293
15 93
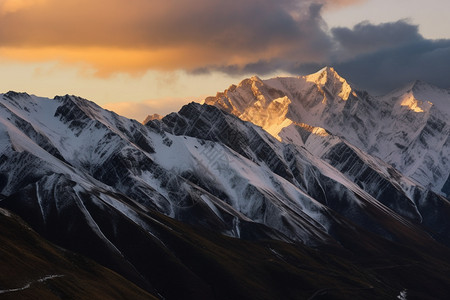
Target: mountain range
287 188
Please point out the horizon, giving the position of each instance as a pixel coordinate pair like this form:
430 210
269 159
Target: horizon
144 114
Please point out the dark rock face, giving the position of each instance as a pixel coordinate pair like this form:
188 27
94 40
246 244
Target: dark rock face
446 187
348 162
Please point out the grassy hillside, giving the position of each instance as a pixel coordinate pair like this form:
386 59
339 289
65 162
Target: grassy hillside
27 260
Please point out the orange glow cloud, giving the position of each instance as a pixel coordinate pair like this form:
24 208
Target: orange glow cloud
109 60
11 6
137 35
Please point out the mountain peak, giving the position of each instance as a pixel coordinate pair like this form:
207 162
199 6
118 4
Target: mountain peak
151 118
419 85
329 78
276 103
323 75
416 86
13 94
256 78
420 96
248 82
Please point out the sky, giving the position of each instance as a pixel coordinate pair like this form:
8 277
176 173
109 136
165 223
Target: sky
139 57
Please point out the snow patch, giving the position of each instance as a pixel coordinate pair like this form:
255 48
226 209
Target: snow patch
403 295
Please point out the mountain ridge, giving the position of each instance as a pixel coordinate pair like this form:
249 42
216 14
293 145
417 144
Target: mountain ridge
114 189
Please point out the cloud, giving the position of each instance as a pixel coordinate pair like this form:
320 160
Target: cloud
118 35
381 57
11 6
201 36
384 56
384 70
368 38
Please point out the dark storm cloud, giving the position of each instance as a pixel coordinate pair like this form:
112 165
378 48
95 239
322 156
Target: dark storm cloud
382 57
366 37
381 71
376 57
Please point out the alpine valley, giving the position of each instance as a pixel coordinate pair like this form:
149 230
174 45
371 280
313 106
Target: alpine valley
287 188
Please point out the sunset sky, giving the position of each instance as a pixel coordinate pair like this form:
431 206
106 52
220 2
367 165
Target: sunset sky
140 57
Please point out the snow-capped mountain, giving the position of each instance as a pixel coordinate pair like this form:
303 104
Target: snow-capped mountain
407 128
326 168
419 130
309 169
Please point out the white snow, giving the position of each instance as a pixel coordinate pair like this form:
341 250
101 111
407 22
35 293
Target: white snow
403 295
40 202
208 202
